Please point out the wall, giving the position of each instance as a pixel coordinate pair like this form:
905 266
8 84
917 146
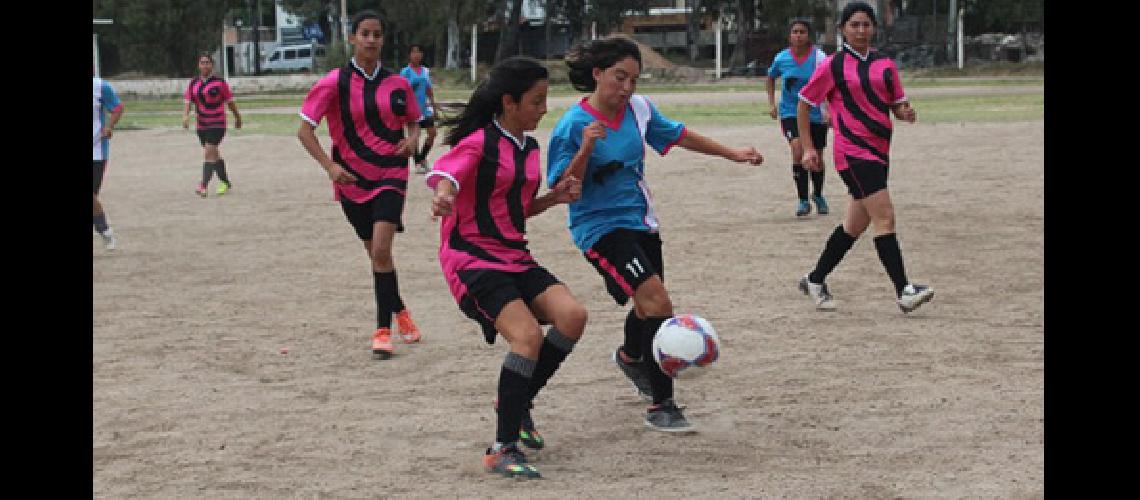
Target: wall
170 87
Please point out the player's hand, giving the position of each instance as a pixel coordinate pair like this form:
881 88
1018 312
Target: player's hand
748 154
339 175
906 113
186 123
567 190
442 204
772 112
237 121
404 148
107 132
591 133
812 161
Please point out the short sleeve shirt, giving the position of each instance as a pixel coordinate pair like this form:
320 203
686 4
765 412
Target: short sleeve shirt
209 97
420 82
104 100
796 73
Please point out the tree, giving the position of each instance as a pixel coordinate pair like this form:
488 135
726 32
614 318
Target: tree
162 36
509 32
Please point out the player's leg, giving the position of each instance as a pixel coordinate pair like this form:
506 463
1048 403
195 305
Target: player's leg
388 207
819 140
209 154
98 216
554 305
799 173
882 213
220 165
519 327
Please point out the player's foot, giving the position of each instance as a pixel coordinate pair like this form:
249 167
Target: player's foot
528 434
407 328
201 190
382 343
913 296
803 208
820 205
509 461
818 293
633 371
223 187
108 239
667 417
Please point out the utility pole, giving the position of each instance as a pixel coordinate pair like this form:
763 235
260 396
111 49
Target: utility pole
256 37
344 25
95 43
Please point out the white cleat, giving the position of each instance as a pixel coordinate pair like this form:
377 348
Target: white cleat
914 296
818 294
108 239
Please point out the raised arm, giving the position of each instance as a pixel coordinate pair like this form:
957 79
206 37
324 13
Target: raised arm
701 144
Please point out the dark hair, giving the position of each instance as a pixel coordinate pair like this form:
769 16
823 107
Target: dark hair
416 46
361 16
207 55
514 76
601 53
854 7
804 22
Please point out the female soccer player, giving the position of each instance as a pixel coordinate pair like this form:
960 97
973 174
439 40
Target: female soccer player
795 65
485 189
207 93
860 86
420 79
368 108
105 101
601 140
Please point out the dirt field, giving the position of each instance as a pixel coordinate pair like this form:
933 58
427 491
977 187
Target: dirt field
193 399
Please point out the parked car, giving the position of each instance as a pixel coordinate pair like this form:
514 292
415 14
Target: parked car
292 58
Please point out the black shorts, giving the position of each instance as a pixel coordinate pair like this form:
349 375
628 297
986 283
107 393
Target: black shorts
489 291
427 122
626 258
864 177
792 131
211 136
97 169
387 206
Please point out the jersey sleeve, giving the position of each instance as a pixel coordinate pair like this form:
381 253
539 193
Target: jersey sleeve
565 140
111 100
895 87
227 93
661 133
459 163
820 85
319 99
774 69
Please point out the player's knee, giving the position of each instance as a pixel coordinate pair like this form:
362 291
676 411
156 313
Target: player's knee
655 301
382 257
573 321
528 341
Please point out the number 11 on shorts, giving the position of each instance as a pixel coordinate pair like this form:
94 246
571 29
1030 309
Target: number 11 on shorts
635 272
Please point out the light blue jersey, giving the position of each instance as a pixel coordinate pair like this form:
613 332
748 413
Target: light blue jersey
104 100
421 82
795 74
614 192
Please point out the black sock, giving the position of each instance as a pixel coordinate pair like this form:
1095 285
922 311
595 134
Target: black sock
891 256
633 327
100 222
661 384
555 348
385 288
837 246
514 381
417 158
424 153
220 166
817 183
800 175
207 172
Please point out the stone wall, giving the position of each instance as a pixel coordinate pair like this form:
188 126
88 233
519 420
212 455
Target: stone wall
171 87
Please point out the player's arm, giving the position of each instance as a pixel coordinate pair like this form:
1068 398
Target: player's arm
590 134
568 190
701 144
772 97
109 127
431 100
811 159
444 200
308 137
412 137
185 114
237 114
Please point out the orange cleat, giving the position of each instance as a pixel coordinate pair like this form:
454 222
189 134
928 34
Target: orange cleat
382 343
407 328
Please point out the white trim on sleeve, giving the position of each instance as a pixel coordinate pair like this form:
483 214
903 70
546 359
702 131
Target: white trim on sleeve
901 100
804 99
310 120
443 174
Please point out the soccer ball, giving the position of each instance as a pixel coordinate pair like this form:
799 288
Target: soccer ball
685 344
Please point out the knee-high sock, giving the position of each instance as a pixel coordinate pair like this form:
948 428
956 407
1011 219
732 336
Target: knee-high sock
817 183
891 256
661 384
424 153
220 166
385 288
100 222
800 175
837 246
555 348
397 301
633 328
514 382
207 172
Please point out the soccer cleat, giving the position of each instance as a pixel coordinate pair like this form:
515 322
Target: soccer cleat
108 239
223 187
803 208
913 296
667 417
820 205
201 190
528 434
509 461
818 294
382 343
633 371
407 328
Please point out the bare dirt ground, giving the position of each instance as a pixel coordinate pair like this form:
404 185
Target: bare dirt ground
192 397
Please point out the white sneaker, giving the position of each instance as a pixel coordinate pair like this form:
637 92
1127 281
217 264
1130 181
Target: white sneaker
818 294
914 296
108 239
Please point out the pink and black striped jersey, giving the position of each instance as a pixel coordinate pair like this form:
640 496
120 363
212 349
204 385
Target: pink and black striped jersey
209 97
859 93
367 115
498 179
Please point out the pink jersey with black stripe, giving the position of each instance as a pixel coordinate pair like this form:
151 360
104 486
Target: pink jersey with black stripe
366 115
498 179
859 93
209 97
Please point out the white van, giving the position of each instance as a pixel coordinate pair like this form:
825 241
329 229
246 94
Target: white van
292 58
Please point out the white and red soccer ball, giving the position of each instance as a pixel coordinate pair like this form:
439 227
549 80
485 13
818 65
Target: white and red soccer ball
685 344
